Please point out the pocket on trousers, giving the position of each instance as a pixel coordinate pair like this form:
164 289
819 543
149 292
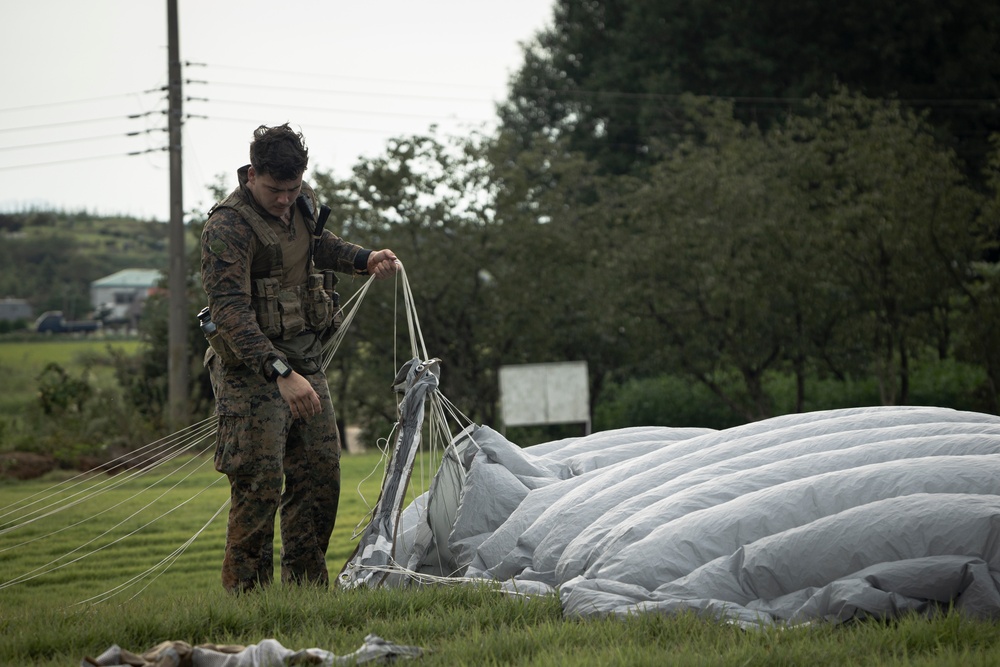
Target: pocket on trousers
253 444
230 455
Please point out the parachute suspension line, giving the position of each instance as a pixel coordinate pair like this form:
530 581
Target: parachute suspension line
422 578
94 516
421 410
331 346
439 437
412 321
453 413
395 328
418 349
155 459
142 459
384 446
54 564
158 568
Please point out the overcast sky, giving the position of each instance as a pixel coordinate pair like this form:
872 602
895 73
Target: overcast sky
82 83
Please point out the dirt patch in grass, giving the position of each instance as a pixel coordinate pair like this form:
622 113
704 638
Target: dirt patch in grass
25 465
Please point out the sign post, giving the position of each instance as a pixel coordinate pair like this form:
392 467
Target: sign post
553 393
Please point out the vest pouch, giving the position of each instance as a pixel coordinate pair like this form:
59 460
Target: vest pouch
293 320
219 346
319 305
264 300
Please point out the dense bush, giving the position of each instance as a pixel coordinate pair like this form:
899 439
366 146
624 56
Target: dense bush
77 423
671 400
7 326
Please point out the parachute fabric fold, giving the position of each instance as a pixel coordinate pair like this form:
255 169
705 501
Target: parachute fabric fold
378 546
827 515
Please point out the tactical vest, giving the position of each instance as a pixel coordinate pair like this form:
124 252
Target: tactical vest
285 312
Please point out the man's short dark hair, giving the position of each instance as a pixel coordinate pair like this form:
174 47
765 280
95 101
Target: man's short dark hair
279 152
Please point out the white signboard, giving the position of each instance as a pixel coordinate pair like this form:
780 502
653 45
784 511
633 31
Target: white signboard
555 393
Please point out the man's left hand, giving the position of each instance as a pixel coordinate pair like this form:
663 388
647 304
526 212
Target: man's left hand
383 263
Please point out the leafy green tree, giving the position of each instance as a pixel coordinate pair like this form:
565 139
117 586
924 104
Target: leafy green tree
431 202
721 249
559 250
59 392
505 269
607 73
833 242
898 211
978 306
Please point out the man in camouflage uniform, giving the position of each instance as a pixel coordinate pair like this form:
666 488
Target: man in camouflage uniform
270 295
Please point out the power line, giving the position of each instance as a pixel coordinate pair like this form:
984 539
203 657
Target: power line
104 98
85 121
342 111
80 140
84 159
954 103
312 126
356 93
285 73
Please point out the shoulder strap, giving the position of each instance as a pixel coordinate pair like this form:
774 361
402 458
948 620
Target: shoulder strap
263 231
307 204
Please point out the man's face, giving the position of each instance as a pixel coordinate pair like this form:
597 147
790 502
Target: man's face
276 197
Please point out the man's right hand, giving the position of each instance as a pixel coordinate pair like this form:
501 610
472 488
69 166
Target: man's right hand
383 264
300 396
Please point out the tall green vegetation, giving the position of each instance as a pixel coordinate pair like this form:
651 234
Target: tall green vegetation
50 258
777 206
843 244
63 401
771 189
607 73
832 244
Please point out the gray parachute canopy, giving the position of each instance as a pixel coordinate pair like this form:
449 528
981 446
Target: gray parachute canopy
827 515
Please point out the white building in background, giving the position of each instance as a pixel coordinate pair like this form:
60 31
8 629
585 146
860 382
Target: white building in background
15 309
118 298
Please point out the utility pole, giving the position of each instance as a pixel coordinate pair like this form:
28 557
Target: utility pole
177 361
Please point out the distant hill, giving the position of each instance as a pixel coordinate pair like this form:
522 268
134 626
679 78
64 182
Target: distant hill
50 258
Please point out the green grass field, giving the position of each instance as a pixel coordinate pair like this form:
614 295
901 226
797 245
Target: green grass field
114 527
45 620
75 550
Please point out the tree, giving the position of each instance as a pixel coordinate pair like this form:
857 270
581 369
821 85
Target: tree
608 73
833 242
431 202
978 306
721 254
560 240
898 210
506 268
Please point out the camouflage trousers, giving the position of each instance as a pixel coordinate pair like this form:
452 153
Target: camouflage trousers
285 466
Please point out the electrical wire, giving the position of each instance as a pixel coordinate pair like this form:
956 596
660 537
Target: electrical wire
352 93
61 103
329 110
80 140
89 158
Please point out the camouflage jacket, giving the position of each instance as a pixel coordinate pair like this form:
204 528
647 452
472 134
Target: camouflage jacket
233 254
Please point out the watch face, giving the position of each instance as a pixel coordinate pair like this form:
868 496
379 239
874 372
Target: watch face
281 368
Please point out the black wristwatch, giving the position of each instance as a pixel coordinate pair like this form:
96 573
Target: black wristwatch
276 367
